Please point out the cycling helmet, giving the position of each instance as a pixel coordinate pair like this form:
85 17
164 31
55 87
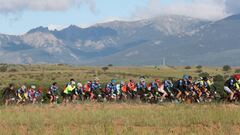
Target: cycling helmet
33 87
122 82
23 87
113 81
79 85
205 79
185 77
89 82
96 79
73 82
142 79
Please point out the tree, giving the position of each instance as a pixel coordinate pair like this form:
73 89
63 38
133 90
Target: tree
188 67
105 69
226 68
199 67
110 65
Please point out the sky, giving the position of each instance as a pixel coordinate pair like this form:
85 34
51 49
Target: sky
19 16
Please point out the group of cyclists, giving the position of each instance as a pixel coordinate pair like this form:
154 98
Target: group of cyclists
183 90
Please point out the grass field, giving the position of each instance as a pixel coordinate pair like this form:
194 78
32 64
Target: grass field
110 118
121 119
44 75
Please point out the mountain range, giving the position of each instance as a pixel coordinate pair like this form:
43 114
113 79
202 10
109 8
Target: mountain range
179 40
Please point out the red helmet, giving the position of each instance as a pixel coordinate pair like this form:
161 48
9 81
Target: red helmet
236 76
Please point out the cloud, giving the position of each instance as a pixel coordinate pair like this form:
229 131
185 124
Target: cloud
15 6
56 27
203 9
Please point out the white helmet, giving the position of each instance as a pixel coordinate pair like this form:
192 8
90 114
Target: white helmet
23 87
142 79
33 87
96 79
73 82
79 85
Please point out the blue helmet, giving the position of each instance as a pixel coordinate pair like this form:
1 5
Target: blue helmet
113 81
185 77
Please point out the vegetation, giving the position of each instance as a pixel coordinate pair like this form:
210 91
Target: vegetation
44 75
3 68
188 67
199 67
119 119
113 118
237 71
105 69
110 65
204 74
199 71
226 68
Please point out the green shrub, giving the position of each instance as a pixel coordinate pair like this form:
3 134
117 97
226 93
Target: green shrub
3 68
105 69
204 74
237 71
226 68
199 67
188 67
110 65
199 71
218 78
12 70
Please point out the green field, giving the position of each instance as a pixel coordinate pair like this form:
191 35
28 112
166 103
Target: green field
112 119
44 75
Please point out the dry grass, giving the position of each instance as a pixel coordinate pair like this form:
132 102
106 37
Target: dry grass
121 119
110 118
44 75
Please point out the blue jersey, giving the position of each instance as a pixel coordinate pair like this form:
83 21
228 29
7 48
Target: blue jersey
111 87
141 85
95 86
154 85
167 83
20 91
53 89
181 85
230 83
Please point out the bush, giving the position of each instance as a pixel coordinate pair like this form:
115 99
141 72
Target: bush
226 76
199 67
226 68
199 71
237 71
188 67
12 70
218 78
204 74
105 69
219 83
3 68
